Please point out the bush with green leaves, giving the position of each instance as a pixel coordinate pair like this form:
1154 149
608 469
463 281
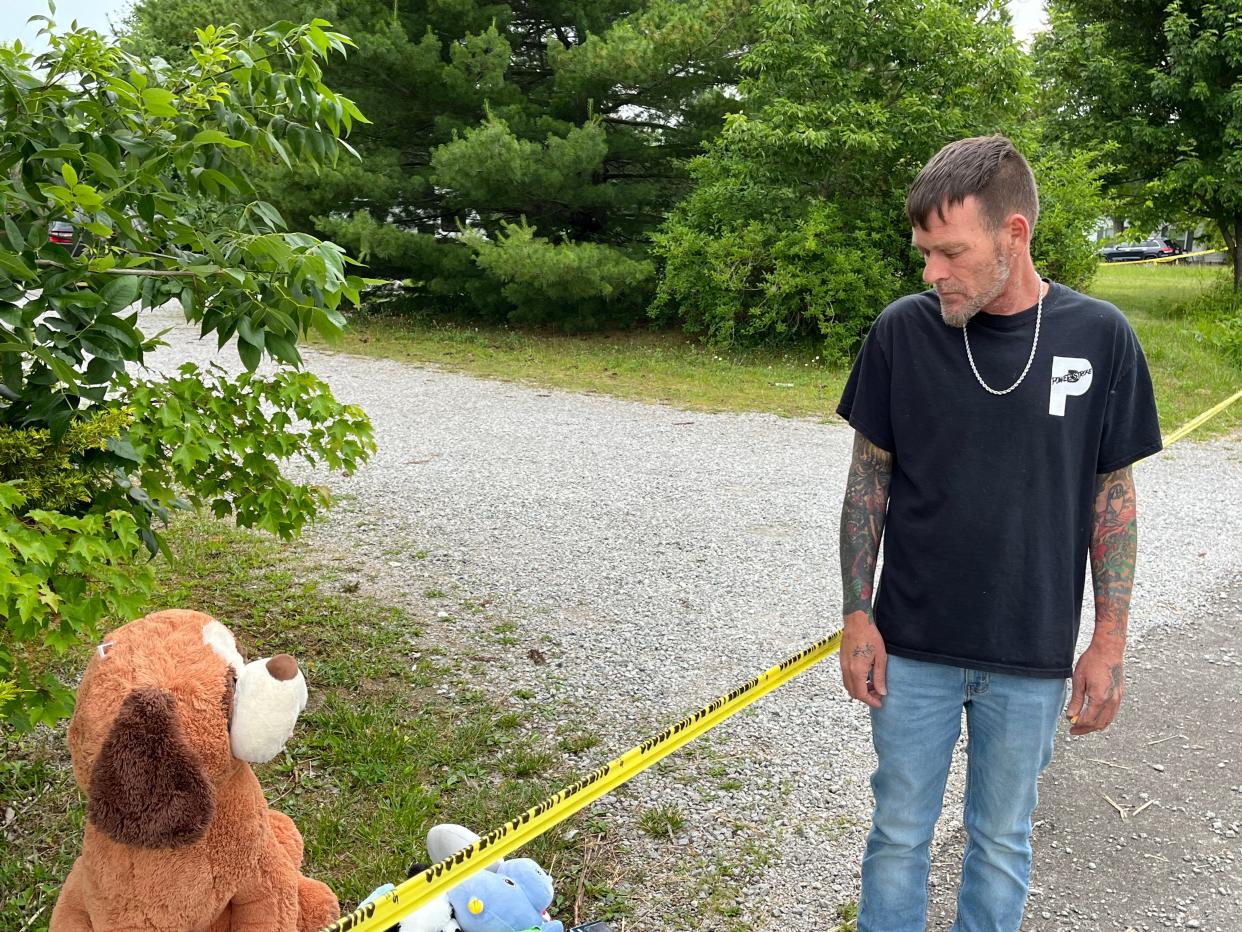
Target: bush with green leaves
1216 315
58 473
153 165
796 228
748 264
1071 202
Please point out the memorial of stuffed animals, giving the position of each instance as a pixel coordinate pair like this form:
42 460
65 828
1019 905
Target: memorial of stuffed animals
179 836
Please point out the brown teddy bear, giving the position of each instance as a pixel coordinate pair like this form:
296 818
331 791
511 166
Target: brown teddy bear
178 835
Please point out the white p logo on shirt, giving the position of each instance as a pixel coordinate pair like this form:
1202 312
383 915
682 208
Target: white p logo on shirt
1070 376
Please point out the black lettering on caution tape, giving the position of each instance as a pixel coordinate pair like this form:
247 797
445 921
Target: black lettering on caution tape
436 871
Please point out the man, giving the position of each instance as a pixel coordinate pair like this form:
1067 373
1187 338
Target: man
996 418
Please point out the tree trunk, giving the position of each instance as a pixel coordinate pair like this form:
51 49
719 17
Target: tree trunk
1237 242
1232 233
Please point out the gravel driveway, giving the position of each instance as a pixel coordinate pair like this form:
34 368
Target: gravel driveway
658 557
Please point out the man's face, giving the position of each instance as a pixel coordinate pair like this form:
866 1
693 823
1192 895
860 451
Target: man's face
962 260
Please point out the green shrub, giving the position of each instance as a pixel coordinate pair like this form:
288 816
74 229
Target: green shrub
61 473
571 286
60 575
772 275
1070 205
153 163
1217 316
796 227
202 438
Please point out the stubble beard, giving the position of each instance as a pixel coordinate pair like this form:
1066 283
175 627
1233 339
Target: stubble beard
958 317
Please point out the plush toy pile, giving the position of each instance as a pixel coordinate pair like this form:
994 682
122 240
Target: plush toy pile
507 896
178 835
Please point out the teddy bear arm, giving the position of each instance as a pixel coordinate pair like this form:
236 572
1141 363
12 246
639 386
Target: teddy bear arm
269 902
69 914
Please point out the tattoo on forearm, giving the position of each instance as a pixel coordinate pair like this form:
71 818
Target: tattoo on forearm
1114 547
862 522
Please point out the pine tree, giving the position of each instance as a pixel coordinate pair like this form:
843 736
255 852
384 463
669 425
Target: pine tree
519 154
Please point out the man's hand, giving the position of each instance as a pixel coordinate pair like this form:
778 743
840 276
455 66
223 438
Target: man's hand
863 659
1099 681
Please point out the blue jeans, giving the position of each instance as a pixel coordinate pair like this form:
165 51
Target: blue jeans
1010 725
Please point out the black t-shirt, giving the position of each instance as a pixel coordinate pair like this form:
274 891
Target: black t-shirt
990 503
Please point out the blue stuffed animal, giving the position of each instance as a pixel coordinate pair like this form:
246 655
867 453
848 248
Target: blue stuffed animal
512 899
507 896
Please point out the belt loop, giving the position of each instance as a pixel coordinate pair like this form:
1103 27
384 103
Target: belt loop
975 682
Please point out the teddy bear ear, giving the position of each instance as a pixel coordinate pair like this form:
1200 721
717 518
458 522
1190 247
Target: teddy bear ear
147 788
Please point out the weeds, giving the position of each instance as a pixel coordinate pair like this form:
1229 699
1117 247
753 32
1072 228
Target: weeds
662 821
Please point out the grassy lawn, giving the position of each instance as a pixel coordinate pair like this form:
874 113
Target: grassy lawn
1190 374
664 367
395 739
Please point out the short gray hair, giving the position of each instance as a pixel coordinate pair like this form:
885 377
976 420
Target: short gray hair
988 167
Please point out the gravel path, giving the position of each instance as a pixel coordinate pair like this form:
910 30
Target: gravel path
1173 765
658 557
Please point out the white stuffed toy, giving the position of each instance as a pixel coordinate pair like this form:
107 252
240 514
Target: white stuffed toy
435 916
447 838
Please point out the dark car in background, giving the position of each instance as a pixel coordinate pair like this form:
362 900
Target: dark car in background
1151 248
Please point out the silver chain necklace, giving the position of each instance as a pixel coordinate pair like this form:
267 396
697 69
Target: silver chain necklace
1039 313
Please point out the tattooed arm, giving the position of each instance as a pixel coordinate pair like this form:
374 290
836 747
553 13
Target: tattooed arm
1099 677
863 658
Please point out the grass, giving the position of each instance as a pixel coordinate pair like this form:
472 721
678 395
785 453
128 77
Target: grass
578 742
847 913
396 738
660 367
1190 374
724 883
662 821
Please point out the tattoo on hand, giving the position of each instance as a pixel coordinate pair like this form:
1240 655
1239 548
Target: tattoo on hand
865 650
1114 547
862 522
1115 677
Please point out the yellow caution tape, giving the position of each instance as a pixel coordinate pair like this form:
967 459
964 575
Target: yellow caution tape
1180 255
390 908
1201 419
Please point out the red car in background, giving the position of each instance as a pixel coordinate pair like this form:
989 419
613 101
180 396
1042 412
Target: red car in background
64 233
